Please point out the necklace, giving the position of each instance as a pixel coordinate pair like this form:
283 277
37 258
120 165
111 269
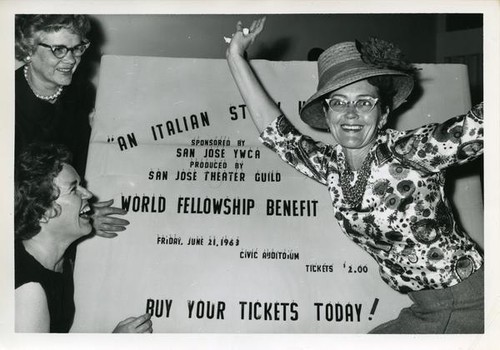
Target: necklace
354 194
42 97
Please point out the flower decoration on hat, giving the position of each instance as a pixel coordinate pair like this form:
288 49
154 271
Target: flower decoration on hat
383 54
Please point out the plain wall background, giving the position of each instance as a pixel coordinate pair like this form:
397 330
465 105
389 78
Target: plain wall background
285 37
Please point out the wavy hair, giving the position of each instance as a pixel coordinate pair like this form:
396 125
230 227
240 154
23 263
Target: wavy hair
27 27
35 192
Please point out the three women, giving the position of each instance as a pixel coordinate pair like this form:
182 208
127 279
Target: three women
386 186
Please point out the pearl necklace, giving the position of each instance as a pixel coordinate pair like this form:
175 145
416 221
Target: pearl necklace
42 97
354 194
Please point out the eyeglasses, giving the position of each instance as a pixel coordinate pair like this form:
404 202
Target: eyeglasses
60 51
362 105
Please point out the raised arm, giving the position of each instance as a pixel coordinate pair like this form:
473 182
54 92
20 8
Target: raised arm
263 109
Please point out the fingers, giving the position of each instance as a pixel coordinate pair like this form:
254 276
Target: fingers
110 220
107 231
255 28
243 38
109 223
145 325
102 211
254 24
110 227
105 234
107 227
103 204
125 321
259 25
140 324
141 319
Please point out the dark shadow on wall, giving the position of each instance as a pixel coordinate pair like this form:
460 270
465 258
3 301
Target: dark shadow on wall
473 61
314 54
88 71
86 76
416 94
275 51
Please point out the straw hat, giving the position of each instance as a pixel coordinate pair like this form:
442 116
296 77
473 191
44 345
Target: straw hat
348 62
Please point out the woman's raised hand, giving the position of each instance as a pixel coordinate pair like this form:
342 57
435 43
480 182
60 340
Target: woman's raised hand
244 37
263 109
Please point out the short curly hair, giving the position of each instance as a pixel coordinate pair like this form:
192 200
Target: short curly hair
28 25
35 170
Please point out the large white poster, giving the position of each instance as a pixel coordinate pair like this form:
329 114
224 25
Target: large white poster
224 237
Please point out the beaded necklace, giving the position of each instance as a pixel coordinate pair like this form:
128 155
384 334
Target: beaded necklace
42 97
354 194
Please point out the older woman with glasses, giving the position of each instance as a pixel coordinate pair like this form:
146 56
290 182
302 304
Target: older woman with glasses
50 106
386 186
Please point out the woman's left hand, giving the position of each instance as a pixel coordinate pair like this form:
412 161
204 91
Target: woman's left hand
104 224
244 37
140 324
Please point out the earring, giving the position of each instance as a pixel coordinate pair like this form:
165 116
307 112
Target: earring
28 58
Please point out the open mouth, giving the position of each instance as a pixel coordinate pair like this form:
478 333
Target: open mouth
65 70
348 127
86 212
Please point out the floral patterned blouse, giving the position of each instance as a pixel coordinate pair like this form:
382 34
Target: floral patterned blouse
404 220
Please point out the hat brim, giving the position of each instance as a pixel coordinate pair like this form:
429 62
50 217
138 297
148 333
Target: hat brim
312 112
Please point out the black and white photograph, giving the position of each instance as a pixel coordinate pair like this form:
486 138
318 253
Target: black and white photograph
302 174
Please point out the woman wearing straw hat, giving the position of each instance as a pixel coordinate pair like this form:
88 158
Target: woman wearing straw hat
386 185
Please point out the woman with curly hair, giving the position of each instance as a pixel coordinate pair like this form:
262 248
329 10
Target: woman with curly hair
386 186
50 107
51 212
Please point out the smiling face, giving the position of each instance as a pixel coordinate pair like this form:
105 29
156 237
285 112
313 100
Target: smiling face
47 72
351 129
71 207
